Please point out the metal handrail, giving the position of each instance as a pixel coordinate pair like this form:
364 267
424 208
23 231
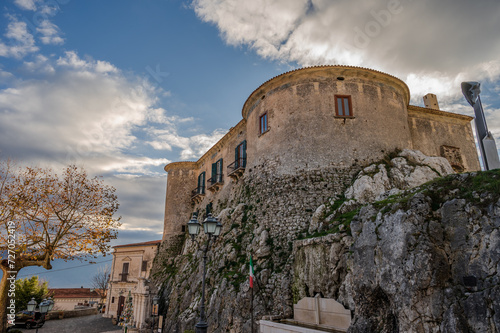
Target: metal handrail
215 179
240 163
198 190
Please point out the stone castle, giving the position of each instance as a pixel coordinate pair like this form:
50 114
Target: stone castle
312 120
311 183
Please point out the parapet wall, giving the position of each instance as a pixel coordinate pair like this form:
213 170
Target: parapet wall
446 134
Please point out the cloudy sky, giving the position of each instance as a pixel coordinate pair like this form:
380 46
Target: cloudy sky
123 87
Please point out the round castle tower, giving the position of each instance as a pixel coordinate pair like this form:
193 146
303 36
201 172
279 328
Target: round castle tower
327 116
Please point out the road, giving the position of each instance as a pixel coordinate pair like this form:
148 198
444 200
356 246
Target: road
88 324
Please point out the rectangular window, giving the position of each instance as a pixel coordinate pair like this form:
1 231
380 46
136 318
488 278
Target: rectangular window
241 155
343 106
263 123
124 273
144 266
219 171
113 299
216 172
201 183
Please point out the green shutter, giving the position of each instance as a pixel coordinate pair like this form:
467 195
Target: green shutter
214 172
201 183
244 143
236 156
220 168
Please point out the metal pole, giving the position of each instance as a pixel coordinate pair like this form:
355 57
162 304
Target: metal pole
251 310
202 325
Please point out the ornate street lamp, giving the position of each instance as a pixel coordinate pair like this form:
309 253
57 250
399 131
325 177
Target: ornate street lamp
44 307
212 228
31 305
51 303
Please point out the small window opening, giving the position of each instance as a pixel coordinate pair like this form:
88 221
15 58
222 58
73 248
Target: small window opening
263 127
343 106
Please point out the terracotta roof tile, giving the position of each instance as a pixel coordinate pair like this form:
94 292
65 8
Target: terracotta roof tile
72 293
139 244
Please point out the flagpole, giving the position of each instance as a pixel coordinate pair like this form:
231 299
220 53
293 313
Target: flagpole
251 310
251 293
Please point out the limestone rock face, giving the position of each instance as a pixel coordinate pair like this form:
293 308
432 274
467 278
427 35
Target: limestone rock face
423 259
426 261
409 169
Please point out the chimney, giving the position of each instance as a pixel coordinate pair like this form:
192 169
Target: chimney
431 101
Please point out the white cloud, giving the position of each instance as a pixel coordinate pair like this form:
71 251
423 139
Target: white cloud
5 76
75 110
73 61
191 147
428 42
21 41
41 64
142 201
50 33
133 165
26 4
78 110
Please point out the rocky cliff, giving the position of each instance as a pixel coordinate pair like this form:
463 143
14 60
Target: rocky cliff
426 260
401 258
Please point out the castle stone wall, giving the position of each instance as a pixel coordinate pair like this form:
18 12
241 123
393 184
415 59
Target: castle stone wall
180 182
437 133
305 135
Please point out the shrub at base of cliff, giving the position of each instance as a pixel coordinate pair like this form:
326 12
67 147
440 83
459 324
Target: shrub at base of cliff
428 261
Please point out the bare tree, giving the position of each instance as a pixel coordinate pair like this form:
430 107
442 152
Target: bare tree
100 281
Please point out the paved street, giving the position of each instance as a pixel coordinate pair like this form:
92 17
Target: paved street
87 324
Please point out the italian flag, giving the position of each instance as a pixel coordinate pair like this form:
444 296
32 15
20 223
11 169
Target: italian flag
251 272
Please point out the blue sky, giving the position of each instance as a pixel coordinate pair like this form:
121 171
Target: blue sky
125 87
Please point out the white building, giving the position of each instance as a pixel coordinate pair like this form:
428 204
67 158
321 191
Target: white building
71 298
130 270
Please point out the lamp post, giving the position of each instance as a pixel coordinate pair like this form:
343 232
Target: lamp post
212 228
155 310
44 306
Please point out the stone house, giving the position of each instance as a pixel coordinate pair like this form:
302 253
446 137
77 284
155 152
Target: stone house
335 118
130 273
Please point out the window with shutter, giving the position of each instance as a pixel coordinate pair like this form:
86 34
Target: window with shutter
241 155
201 184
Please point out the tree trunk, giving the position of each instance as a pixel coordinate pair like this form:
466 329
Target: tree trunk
7 293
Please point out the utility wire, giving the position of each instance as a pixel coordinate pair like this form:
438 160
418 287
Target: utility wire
63 269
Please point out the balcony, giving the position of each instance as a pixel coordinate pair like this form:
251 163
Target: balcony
237 168
215 183
123 277
198 194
